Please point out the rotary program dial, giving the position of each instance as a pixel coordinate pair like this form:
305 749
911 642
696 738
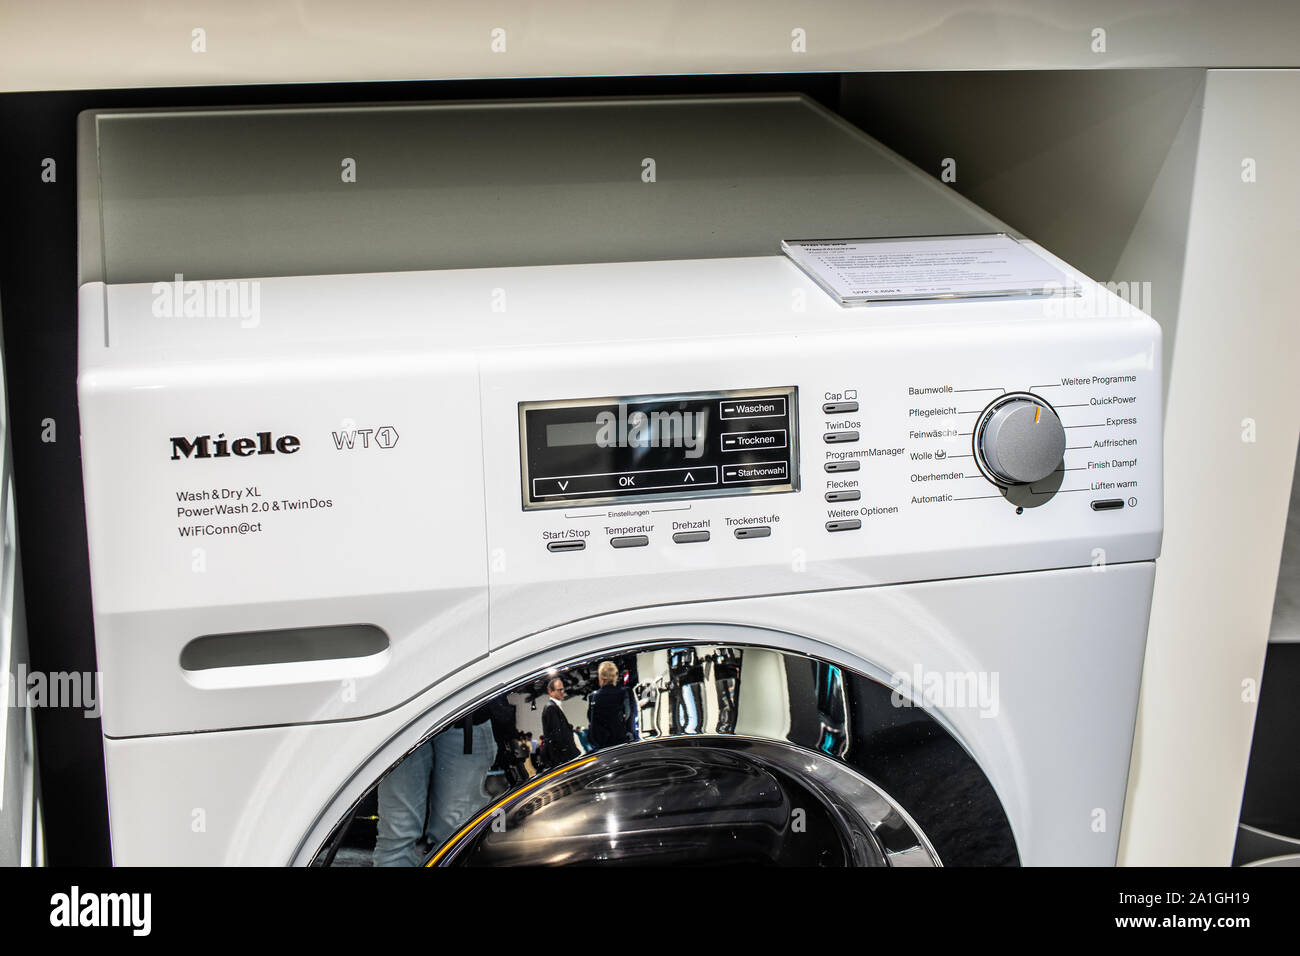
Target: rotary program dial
1019 440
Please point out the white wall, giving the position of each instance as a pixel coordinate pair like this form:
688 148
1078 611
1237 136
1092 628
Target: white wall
1236 358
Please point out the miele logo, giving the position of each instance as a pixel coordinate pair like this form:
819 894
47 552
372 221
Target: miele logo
205 446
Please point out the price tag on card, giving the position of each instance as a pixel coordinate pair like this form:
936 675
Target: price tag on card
927 268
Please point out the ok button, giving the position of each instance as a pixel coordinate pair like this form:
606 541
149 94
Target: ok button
627 481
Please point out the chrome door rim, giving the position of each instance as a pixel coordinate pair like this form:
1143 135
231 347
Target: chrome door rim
923 757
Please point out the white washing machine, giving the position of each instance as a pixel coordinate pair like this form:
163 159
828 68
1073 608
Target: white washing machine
874 581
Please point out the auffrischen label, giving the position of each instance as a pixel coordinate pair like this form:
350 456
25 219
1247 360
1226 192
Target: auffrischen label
859 271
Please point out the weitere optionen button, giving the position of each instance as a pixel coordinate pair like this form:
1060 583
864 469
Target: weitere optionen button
844 524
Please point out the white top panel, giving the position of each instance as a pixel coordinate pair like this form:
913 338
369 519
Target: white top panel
166 325
219 194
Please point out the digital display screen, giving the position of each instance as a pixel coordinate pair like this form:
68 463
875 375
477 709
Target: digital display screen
699 444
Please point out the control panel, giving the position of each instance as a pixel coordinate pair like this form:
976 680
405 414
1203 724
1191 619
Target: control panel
843 457
580 453
677 432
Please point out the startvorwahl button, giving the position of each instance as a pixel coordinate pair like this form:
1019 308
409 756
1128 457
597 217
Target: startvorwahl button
755 472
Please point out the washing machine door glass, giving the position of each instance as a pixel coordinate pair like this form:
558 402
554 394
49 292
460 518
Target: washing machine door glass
681 753
708 799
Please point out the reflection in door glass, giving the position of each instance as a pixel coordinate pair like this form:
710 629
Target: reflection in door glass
683 754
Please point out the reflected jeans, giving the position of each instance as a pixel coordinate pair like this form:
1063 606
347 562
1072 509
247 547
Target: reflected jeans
438 782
